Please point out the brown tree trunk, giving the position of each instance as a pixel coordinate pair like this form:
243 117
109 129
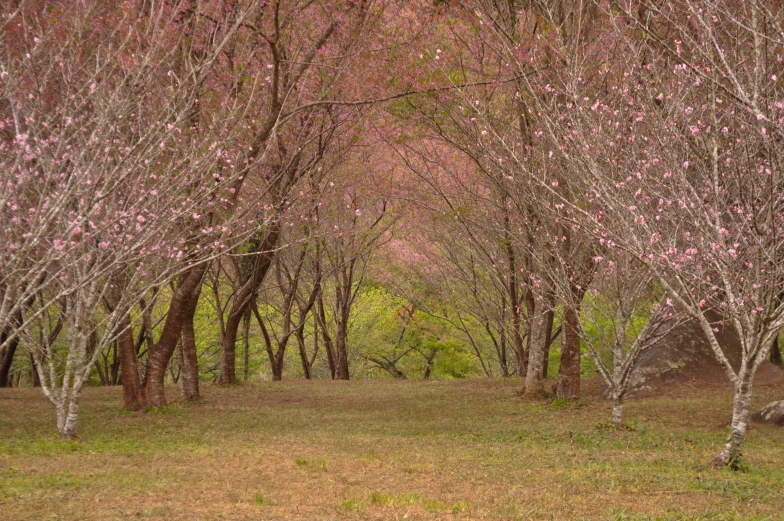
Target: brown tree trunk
115 365
430 358
548 319
228 373
34 378
517 326
303 354
277 367
519 345
189 365
241 303
133 396
162 351
775 352
343 300
276 360
7 359
568 385
246 357
341 350
322 319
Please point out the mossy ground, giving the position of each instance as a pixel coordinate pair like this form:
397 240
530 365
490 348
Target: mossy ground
386 450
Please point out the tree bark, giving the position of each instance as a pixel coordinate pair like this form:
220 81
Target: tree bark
341 350
35 380
277 366
568 384
265 254
7 359
534 382
775 352
617 411
343 301
513 289
303 354
548 339
162 351
133 396
246 355
430 359
741 403
322 319
276 360
189 365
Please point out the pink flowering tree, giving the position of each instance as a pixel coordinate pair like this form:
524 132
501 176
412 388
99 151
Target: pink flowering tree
98 154
673 142
625 316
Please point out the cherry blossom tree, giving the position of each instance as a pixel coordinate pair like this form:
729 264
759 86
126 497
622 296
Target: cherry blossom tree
672 144
98 154
625 317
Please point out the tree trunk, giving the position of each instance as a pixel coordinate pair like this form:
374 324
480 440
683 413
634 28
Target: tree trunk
35 380
115 369
68 429
276 361
617 411
102 375
430 358
548 339
8 359
246 357
228 373
159 356
189 365
133 396
341 350
731 455
303 354
775 352
568 385
519 345
241 303
322 318
534 383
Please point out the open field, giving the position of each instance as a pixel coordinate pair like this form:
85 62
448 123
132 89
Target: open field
385 450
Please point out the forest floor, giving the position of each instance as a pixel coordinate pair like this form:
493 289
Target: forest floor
383 450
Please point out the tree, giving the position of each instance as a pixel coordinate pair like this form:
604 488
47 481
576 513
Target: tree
675 149
625 317
103 146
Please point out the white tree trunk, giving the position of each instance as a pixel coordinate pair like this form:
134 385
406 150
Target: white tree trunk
617 411
741 405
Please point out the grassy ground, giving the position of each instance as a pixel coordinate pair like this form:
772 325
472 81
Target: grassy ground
385 450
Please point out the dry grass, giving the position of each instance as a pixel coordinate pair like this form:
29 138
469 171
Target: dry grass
385 450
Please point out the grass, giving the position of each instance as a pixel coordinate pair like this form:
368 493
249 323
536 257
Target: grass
386 450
